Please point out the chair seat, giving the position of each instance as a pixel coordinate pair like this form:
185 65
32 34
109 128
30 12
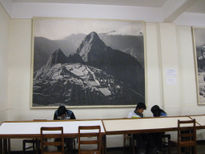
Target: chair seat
33 144
128 143
29 141
165 145
90 152
187 143
52 152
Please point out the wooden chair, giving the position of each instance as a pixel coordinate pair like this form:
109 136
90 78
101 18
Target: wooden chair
52 136
32 144
165 145
128 143
90 136
187 136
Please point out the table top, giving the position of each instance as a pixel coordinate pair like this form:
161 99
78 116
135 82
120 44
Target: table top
28 129
142 125
200 119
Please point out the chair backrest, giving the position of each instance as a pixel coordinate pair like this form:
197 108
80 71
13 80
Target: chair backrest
187 135
52 136
91 137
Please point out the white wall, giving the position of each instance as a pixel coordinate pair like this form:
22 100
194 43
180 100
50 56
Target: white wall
19 84
168 47
154 91
188 104
169 61
20 75
4 33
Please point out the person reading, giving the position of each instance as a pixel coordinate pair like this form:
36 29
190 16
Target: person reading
158 112
64 114
157 137
141 139
138 112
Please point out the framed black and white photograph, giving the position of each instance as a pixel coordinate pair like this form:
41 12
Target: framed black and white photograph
199 48
87 63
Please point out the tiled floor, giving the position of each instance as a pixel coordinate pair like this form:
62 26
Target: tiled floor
200 150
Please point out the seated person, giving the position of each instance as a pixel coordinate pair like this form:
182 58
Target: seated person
157 112
138 112
63 114
141 139
157 137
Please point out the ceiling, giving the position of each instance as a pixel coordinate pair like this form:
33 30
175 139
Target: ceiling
198 6
144 3
182 11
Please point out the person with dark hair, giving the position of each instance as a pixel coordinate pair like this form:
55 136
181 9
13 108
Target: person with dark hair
138 112
157 137
141 139
201 59
63 114
158 112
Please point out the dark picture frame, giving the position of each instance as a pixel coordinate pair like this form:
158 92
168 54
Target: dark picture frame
87 63
199 55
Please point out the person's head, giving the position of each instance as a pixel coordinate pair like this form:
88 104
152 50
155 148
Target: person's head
62 111
156 111
140 108
203 52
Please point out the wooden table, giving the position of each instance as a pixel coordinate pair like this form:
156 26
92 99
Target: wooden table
200 119
142 125
31 129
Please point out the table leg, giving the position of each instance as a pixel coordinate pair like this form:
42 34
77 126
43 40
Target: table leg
104 149
1 145
4 146
9 145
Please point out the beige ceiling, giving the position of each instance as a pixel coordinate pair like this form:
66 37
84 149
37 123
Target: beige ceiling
182 11
140 3
198 7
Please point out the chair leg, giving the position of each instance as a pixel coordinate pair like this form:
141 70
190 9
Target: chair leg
9 146
6 146
124 144
24 147
104 143
37 146
74 145
132 144
33 145
125 140
195 149
1 145
179 150
169 147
